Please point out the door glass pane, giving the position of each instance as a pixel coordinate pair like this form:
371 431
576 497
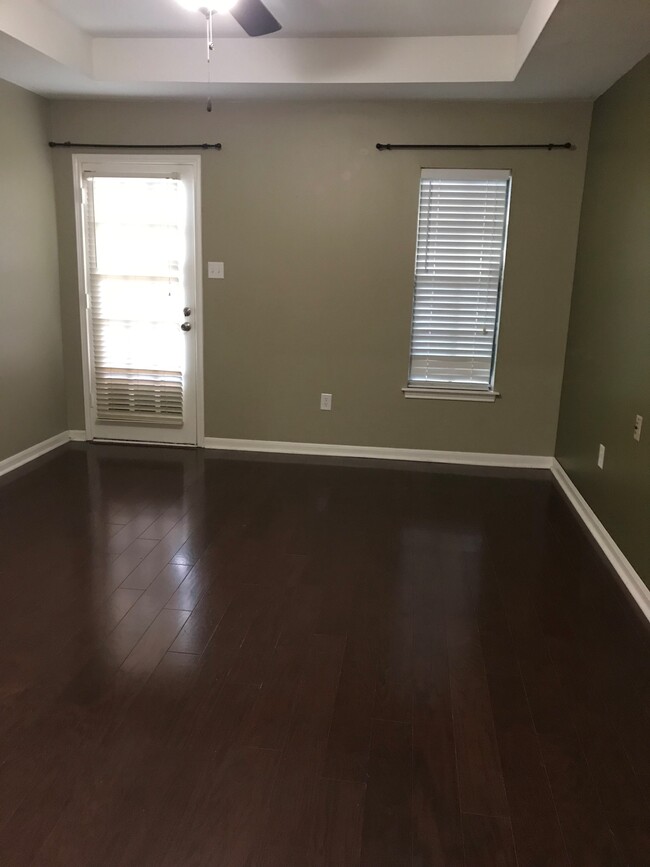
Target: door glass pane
136 250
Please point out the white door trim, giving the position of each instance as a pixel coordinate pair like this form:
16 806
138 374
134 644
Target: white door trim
189 160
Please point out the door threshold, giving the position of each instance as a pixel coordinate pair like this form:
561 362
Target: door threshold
120 442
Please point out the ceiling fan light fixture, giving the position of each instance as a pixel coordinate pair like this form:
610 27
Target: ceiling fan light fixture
221 7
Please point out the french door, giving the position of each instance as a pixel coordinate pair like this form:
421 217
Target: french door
141 326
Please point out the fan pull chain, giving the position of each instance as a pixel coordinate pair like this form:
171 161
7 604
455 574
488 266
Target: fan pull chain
210 48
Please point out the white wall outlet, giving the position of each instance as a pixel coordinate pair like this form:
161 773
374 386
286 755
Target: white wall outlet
326 401
601 456
638 423
215 270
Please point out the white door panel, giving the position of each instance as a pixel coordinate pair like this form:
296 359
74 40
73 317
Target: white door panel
137 218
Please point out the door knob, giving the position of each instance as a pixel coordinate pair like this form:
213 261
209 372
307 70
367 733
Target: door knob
186 326
187 311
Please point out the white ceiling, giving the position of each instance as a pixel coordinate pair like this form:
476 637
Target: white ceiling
375 49
304 17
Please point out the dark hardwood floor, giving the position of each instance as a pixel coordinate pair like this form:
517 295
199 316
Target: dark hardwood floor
212 660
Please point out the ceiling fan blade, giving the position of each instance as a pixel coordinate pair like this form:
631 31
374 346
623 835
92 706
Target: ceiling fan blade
254 17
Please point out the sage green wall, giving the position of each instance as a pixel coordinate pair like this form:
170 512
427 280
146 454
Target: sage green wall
317 232
607 374
31 367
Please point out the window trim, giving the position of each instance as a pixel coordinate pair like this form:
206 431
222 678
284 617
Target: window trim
428 392
487 394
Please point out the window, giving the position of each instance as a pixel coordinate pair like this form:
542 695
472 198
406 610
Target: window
460 252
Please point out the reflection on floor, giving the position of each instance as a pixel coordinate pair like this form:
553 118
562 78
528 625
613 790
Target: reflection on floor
210 660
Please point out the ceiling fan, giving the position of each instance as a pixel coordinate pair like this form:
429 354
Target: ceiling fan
252 15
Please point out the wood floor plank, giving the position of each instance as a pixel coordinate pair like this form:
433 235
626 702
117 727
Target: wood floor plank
205 618
587 834
163 587
155 642
90 820
199 579
128 560
534 819
620 790
252 661
304 750
303 606
163 523
437 832
348 745
393 696
128 533
267 725
586 831
386 839
223 818
160 554
480 775
535 822
489 842
142 613
574 728
225 642
330 830
119 603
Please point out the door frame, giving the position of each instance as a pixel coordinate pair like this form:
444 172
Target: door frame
193 162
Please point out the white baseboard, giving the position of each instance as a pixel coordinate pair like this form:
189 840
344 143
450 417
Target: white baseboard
624 569
33 452
476 459
42 448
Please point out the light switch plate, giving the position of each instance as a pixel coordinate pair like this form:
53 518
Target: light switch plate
215 270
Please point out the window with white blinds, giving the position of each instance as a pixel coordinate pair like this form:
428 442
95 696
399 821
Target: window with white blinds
460 251
135 250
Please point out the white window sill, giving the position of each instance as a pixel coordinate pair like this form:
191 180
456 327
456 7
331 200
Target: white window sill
451 394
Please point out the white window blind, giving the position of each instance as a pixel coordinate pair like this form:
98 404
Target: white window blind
135 248
460 252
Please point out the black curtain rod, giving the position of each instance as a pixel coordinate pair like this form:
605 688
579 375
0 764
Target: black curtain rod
567 146
159 147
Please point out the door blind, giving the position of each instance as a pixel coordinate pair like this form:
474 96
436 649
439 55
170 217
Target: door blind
458 273
135 249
